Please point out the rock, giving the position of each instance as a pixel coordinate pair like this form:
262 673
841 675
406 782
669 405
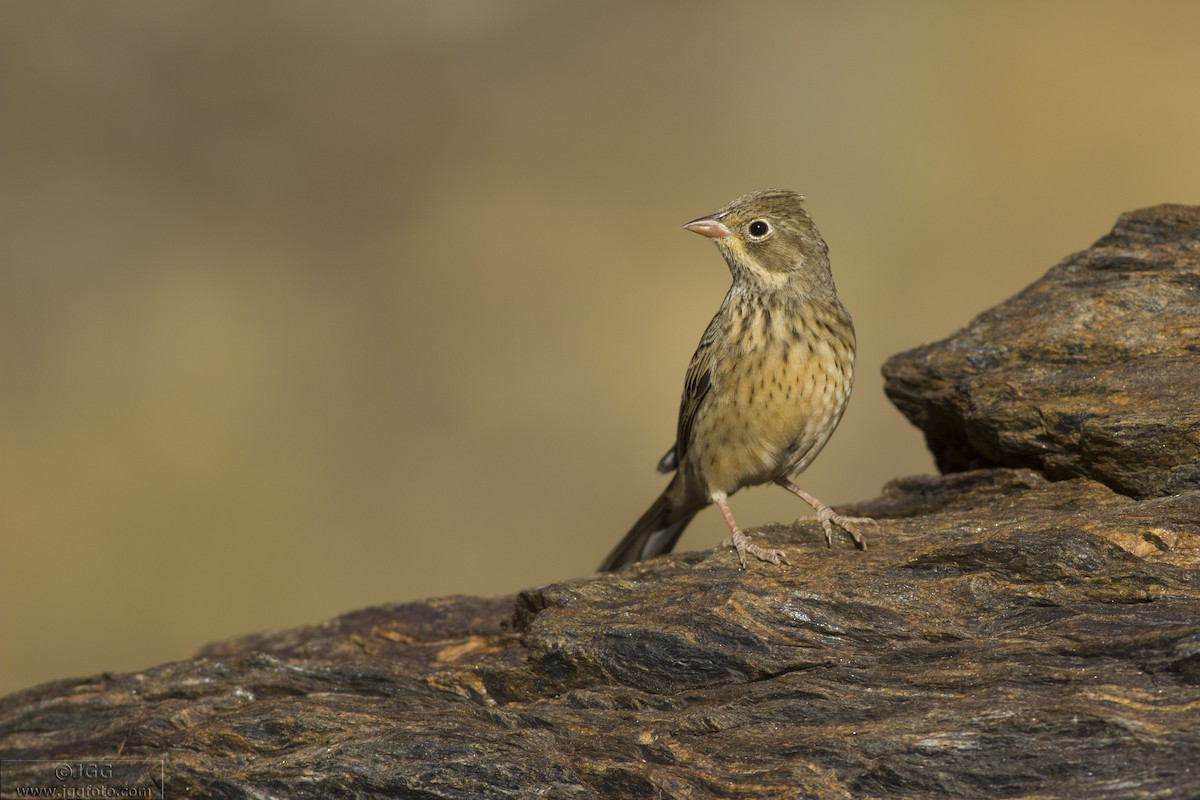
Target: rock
1004 635
1094 370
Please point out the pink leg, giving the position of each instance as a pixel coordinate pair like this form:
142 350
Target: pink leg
740 542
829 517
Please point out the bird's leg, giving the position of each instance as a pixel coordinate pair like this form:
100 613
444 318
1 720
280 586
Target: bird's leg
740 542
829 517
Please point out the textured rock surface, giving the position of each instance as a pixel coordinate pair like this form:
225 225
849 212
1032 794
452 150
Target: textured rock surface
1004 636
1093 370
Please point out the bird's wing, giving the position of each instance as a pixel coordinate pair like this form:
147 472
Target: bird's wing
668 462
695 389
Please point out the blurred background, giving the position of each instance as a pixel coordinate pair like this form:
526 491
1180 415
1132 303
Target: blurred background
311 306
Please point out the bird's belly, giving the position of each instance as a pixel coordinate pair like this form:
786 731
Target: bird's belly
771 422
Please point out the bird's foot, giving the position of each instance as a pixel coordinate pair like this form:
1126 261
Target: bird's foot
741 542
829 518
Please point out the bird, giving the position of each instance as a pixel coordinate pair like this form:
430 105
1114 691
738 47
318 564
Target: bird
767 385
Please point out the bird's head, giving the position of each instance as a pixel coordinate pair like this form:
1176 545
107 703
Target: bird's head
768 238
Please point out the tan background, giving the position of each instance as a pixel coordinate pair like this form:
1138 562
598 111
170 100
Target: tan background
309 306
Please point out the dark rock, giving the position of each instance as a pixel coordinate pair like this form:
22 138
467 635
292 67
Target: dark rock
1005 635
1094 370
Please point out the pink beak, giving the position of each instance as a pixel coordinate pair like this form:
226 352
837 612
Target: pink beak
710 226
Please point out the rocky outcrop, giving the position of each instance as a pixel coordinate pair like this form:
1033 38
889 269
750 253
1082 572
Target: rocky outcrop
1094 370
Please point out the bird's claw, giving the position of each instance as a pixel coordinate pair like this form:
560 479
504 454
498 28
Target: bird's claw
742 544
829 518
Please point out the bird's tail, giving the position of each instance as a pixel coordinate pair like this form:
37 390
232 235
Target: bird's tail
655 533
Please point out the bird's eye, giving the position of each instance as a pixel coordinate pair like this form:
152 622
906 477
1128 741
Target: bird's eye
759 228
